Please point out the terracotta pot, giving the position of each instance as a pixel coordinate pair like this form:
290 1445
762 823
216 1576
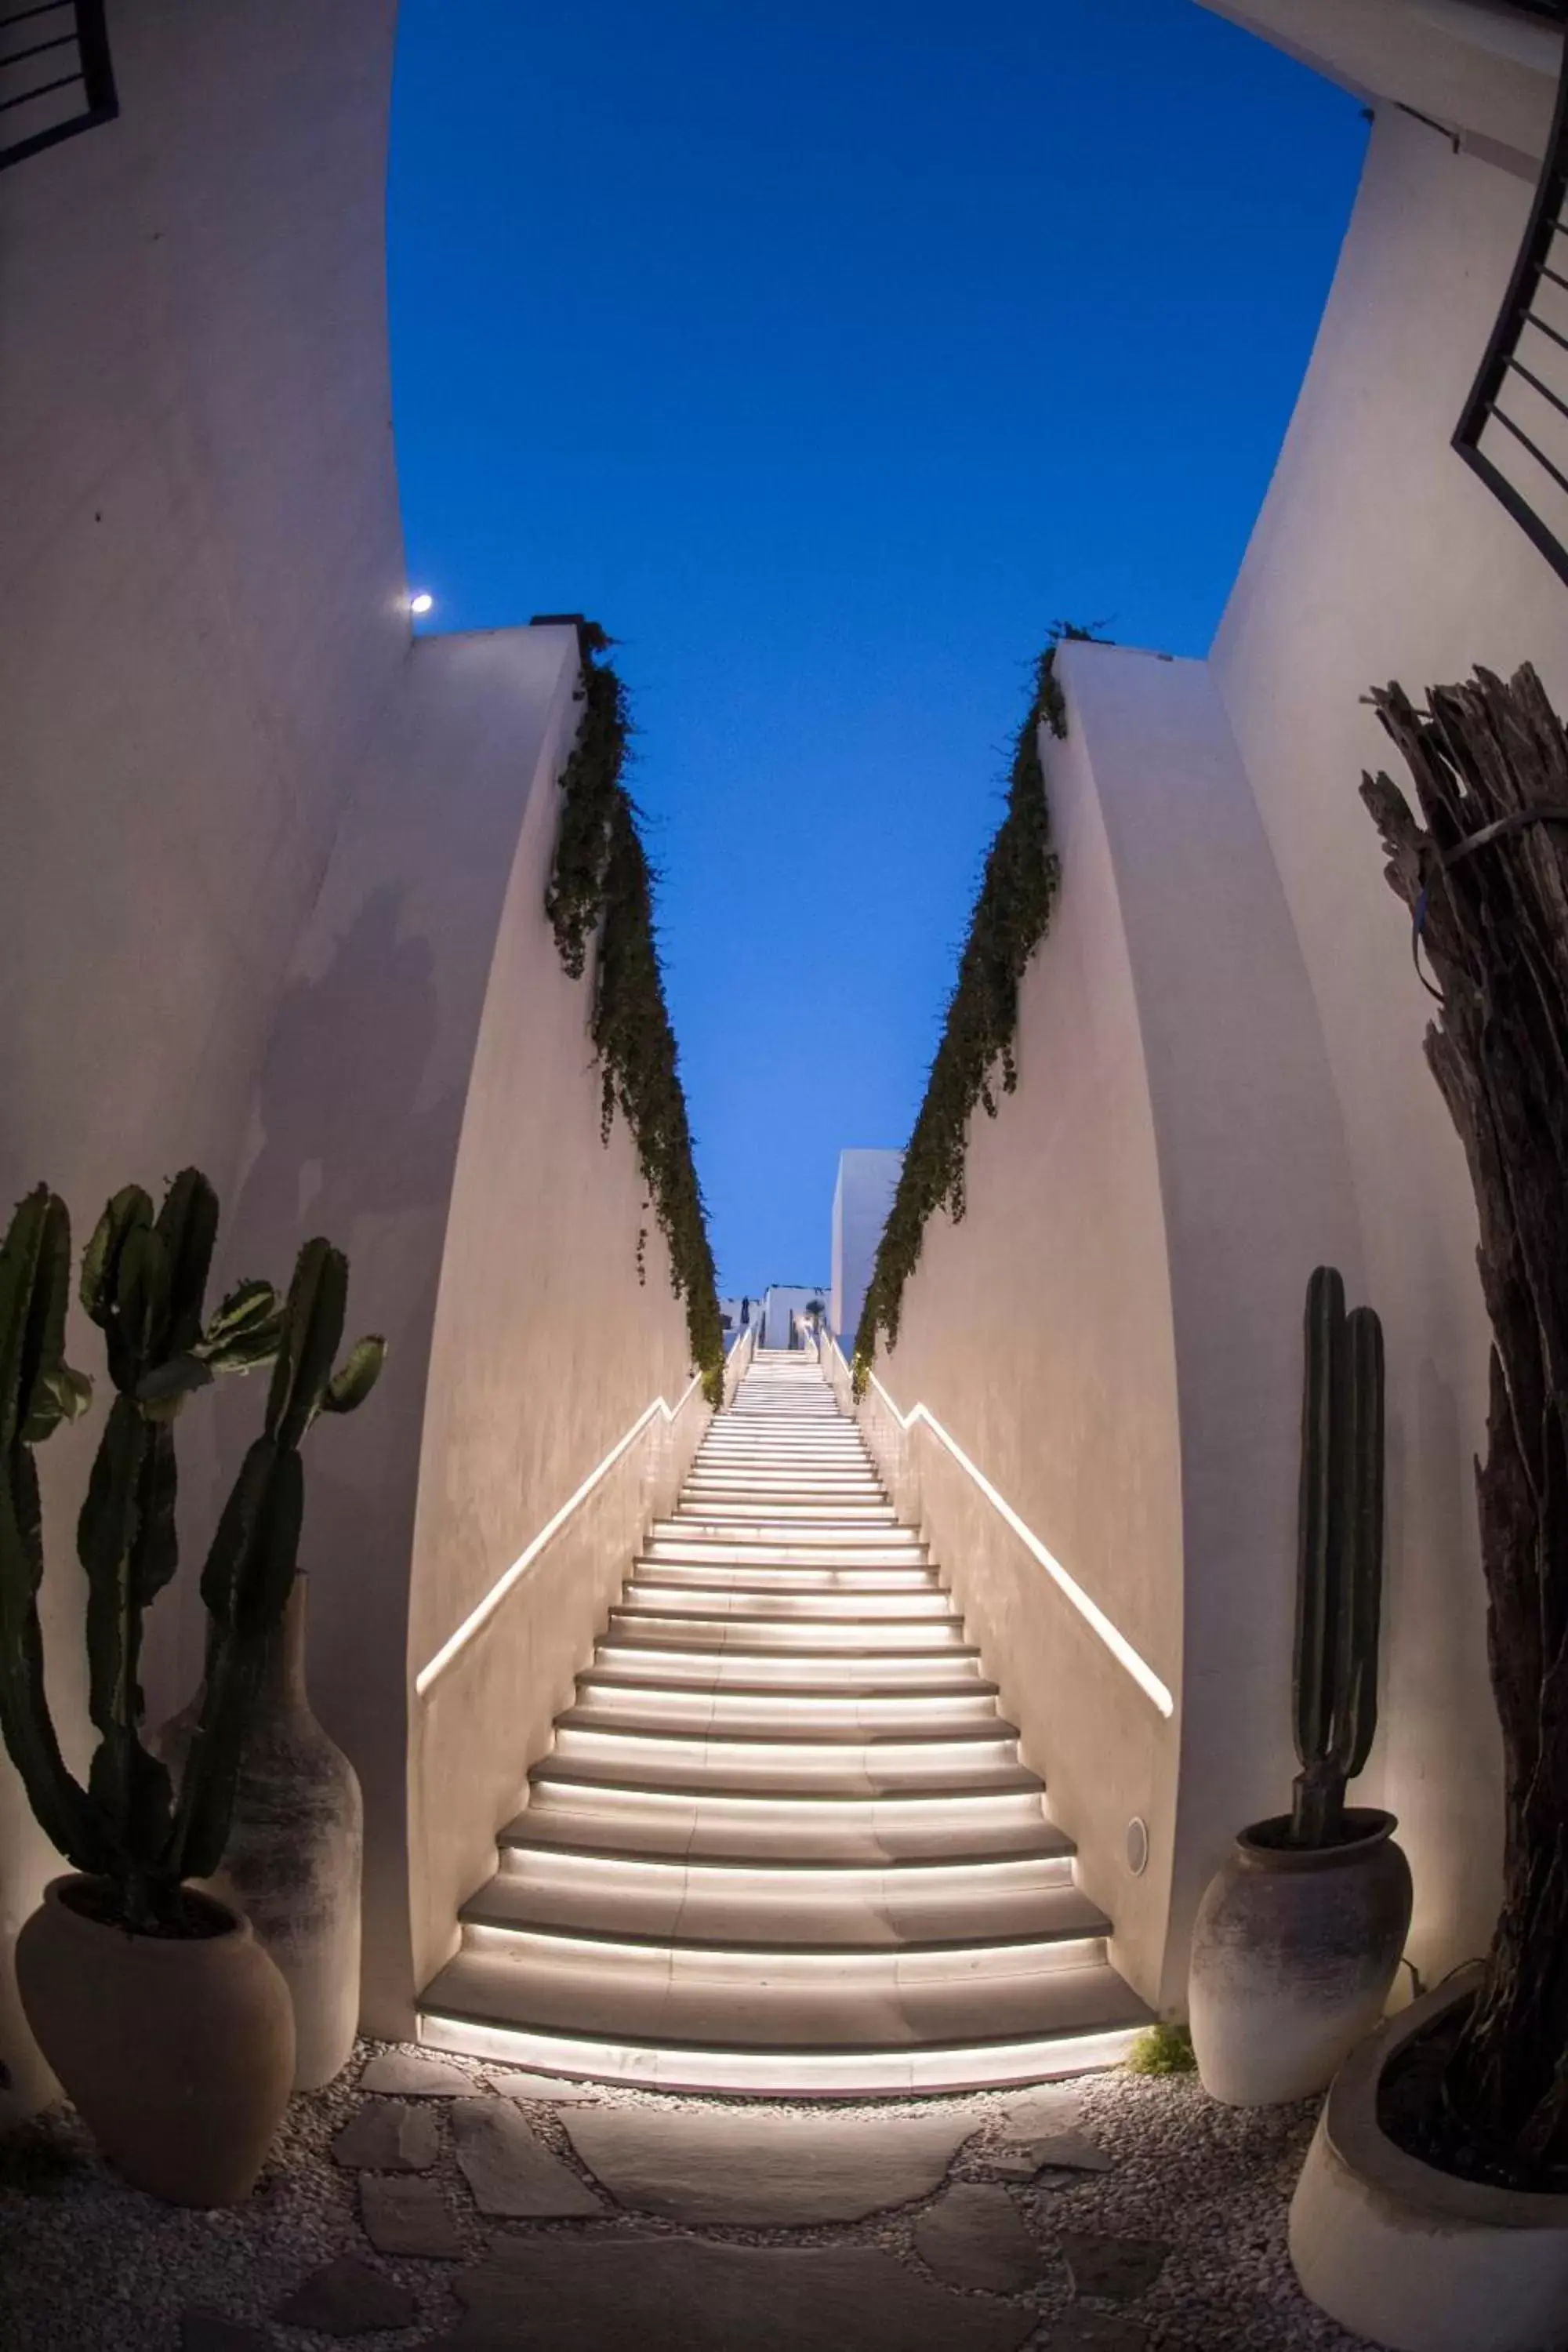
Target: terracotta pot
1294 1953
1411 2257
177 2052
295 1851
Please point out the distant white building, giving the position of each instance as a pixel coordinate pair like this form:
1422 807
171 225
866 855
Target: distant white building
782 1302
861 1200
734 1314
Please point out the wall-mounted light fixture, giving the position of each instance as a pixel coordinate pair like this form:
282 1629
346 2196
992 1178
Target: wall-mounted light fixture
422 602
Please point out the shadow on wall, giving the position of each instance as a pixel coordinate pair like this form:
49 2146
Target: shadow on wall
346 1147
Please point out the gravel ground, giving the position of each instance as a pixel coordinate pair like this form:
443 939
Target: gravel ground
87 2266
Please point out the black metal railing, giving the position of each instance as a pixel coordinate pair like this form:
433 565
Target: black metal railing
1514 430
55 76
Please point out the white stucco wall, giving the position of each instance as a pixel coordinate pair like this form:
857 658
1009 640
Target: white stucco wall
1379 555
862 1196
256 849
1112 1333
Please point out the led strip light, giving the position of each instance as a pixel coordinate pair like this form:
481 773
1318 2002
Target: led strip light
1119 1647
479 1617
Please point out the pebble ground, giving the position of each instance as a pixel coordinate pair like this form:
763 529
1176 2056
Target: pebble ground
89 2266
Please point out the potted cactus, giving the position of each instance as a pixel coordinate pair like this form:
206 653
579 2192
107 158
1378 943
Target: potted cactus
1299 1937
168 2025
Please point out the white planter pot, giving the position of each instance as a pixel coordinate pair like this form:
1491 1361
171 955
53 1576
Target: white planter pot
295 1853
1294 1952
1410 2257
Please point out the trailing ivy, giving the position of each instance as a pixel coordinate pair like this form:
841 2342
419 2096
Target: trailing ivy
1011 915
601 888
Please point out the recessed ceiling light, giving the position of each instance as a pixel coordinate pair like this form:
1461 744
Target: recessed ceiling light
422 602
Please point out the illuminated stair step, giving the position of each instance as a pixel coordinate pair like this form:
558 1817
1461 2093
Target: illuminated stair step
809 1711
830 1671
666 1596
791 1576
803 1907
786 1720
903 1838
897 1552
882 1966
744 1770
777 1532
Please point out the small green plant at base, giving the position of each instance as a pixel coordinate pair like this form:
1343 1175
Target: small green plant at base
1162 2049
601 889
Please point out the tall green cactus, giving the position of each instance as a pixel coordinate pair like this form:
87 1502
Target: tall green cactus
143 1280
1339 1584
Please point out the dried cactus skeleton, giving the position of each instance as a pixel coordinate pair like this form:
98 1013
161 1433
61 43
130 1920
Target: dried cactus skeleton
1340 1563
144 1281
1486 881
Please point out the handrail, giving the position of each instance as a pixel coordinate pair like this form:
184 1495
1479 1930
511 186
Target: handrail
1120 1648
478 1618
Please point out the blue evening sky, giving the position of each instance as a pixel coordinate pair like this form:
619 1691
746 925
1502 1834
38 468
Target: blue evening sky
827 352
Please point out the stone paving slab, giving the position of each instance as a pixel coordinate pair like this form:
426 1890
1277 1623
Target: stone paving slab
1049 2107
401 2075
509 2170
975 2236
388 2137
772 2172
407 2215
1020 2160
674 2294
347 2297
1119 2268
556 2090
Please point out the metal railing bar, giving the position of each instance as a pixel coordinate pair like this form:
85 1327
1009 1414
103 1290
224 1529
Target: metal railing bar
1556 276
60 41
66 81
21 15
1540 456
1531 319
1518 367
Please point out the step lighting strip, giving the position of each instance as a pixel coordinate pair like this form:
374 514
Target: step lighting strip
1119 1647
478 1619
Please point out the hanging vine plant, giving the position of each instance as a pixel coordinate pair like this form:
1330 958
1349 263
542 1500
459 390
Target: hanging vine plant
601 889
1011 915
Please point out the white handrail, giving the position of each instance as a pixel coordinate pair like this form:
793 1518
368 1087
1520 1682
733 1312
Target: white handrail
479 1617
1120 1648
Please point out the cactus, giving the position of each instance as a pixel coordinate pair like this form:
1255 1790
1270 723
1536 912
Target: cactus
1339 1561
143 1280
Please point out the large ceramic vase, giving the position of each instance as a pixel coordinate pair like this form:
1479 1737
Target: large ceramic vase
1294 1953
1410 2257
176 2051
295 1853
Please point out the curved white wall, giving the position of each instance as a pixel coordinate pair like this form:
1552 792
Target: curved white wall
257 850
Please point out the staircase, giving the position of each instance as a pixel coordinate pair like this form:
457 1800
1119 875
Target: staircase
784 1843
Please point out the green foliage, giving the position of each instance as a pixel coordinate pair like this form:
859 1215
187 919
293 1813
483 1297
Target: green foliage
601 888
143 1280
1162 2049
1338 1575
1011 916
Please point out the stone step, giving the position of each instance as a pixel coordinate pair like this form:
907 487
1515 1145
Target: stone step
798 1575
717 1596
889 1837
777 1772
775 1531
726 2032
805 1711
898 1551
786 1720
837 1671
746 1904
671 1628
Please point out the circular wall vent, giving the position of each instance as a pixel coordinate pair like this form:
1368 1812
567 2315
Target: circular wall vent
1137 1845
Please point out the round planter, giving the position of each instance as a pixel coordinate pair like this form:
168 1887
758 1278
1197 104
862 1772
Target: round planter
177 2052
1410 2257
295 1851
1294 1952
